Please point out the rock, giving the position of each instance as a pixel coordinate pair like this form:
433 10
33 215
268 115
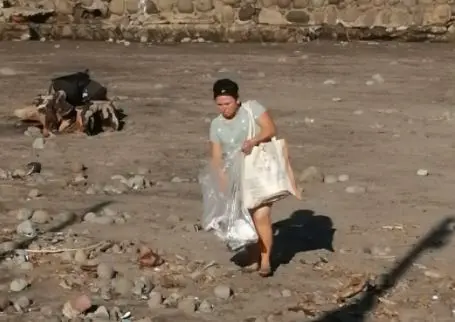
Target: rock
80 178
6 71
205 307
271 17
110 212
18 284
105 271
298 16
34 193
172 300
378 78
343 177
286 293
26 228
432 274
78 167
227 14
185 6
246 12
4 302
203 6
223 292
138 182
7 246
311 174
355 189
24 214
38 144
47 311
117 7
101 313
4 174
142 285
22 304
330 82
155 300
40 217
73 308
422 172
122 286
18 173
187 305
329 179
64 7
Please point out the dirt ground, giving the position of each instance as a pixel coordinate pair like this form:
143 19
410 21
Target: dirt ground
336 115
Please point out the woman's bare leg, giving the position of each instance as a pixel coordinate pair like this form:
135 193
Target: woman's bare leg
263 223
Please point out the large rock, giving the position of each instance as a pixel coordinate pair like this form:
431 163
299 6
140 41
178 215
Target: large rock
204 5
246 12
298 16
64 7
268 3
301 4
441 14
185 6
271 17
226 14
283 4
399 18
166 5
132 6
117 7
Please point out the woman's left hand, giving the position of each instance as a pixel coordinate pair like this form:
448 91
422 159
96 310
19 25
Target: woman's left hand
248 146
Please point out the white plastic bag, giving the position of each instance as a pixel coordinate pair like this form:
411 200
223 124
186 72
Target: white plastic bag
224 212
267 174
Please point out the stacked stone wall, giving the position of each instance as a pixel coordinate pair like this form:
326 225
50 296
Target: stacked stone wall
227 20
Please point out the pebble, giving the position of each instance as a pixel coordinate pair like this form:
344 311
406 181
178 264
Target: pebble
343 177
7 246
223 292
24 214
75 307
187 305
138 182
355 189
33 131
34 193
432 274
38 144
155 300
142 285
80 178
78 167
26 228
172 300
22 303
311 174
330 179
422 172
378 78
110 212
6 71
286 293
101 313
205 307
330 82
18 285
40 217
105 271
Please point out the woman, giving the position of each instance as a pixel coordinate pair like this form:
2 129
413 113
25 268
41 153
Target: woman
228 134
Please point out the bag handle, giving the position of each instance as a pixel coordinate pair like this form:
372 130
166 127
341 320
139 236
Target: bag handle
251 121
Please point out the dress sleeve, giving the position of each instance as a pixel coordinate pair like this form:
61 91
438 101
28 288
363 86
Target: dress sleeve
257 109
214 132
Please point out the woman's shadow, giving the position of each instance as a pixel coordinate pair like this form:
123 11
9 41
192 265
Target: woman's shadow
302 231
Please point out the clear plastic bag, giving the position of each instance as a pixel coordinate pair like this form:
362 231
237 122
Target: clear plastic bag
224 213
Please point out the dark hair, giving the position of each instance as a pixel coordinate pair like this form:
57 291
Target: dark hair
225 86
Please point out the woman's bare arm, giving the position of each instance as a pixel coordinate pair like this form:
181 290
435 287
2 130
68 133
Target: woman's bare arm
268 129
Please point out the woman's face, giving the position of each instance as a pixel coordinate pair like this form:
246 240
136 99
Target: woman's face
228 105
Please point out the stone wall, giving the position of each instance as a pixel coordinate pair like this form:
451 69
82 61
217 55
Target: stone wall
227 20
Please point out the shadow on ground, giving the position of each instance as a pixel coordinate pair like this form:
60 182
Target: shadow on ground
302 231
366 302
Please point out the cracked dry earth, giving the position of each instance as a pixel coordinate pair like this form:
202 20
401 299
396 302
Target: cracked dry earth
367 116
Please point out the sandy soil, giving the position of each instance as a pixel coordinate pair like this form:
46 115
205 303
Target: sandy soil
378 133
